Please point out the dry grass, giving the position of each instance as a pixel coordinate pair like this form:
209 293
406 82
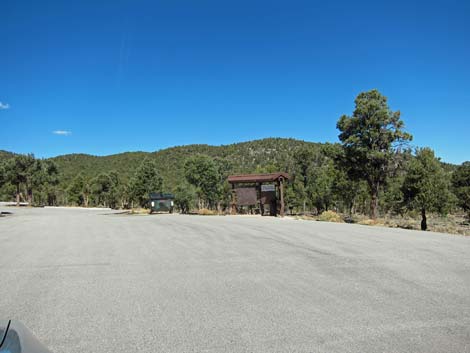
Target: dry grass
139 211
371 222
207 212
330 216
452 224
305 217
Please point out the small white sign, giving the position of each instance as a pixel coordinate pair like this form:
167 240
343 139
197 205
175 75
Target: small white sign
268 187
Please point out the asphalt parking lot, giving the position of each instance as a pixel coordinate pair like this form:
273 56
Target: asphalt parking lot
92 281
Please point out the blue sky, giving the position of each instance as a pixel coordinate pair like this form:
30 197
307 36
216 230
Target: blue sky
145 75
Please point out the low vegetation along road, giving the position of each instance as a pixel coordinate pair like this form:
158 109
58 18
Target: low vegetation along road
91 281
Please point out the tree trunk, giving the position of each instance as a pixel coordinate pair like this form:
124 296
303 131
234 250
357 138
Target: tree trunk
374 200
424 224
30 197
17 195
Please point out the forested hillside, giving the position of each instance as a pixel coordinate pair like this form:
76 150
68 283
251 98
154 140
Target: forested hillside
264 155
245 157
4 155
71 165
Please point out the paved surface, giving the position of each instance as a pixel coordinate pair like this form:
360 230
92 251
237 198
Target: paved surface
84 281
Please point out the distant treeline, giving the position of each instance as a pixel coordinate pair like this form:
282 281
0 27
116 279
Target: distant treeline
373 170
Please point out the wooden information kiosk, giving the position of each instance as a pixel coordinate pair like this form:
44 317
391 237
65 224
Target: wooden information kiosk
261 192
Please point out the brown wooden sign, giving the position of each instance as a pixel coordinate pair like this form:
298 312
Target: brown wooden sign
268 190
246 196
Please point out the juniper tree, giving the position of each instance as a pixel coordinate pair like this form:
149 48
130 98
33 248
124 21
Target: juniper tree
426 185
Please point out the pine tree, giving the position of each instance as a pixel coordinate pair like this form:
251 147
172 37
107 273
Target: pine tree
370 137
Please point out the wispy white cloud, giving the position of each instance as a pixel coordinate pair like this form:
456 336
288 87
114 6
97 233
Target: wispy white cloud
4 106
62 132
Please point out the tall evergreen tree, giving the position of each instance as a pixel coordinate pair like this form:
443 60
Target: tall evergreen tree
78 192
106 189
321 189
370 138
461 186
35 177
44 182
344 191
304 161
185 196
101 187
202 172
3 177
18 172
426 186
146 179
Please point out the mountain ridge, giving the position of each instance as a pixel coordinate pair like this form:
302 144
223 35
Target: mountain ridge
243 157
